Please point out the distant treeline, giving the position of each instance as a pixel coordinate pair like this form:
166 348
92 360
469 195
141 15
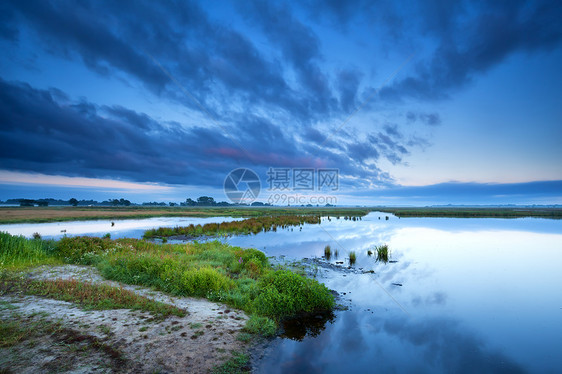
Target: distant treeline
201 201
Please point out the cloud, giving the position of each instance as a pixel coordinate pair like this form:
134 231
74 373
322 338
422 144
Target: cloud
43 131
471 38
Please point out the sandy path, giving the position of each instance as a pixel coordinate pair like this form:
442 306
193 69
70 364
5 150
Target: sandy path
191 344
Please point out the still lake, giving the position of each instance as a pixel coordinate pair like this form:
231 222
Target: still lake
463 295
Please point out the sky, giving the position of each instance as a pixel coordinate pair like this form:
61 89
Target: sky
405 102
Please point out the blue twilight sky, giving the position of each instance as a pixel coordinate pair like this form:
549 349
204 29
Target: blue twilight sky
414 102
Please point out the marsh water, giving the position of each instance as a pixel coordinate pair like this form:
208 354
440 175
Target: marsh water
458 295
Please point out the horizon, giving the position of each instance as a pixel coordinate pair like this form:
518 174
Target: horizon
355 103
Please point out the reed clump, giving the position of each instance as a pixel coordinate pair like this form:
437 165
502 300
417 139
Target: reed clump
382 253
352 257
248 226
327 252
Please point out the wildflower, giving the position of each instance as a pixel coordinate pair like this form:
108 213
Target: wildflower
240 261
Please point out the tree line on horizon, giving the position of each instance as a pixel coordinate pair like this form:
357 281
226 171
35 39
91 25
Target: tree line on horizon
201 201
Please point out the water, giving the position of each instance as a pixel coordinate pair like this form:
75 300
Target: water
125 228
476 295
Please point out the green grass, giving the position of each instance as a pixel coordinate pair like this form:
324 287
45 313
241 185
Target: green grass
261 326
352 257
241 278
17 252
382 253
238 363
248 226
89 296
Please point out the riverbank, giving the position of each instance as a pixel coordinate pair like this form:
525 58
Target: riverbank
43 334
237 283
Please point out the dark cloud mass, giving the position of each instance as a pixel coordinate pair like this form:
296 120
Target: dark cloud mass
273 106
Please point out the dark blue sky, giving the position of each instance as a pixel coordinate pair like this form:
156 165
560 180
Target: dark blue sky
414 102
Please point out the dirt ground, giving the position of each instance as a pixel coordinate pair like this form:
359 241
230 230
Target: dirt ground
123 340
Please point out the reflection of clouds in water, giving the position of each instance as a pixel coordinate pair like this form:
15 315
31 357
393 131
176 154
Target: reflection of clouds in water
447 346
362 342
436 298
352 342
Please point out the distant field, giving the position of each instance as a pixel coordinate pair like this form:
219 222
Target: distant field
56 214
462 212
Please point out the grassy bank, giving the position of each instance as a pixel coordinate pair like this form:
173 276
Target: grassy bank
241 278
244 227
68 213
462 212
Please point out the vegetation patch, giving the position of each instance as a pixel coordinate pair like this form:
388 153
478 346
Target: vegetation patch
238 363
89 296
241 278
246 227
382 253
17 252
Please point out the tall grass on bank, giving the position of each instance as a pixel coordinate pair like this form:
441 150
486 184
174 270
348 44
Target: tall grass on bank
17 252
241 278
245 227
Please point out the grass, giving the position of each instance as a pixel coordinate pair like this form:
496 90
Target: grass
327 252
241 278
382 253
68 213
238 363
248 226
352 257
261 326
467 212
17 252
89 296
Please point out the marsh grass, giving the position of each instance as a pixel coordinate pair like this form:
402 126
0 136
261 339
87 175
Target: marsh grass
352 257
261 326
248 226
327 252
17 252
241 278
382 253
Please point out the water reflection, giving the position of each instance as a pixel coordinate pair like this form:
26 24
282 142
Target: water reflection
476 295
310 325
364 342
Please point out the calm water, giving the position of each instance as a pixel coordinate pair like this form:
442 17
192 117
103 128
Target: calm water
476 295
